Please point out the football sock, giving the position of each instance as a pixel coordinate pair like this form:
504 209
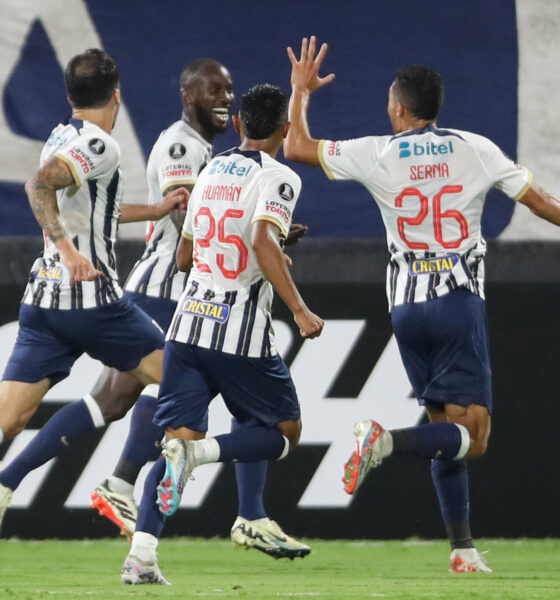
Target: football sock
251 479
143 443
66 426
250 444
451 480
150 520
432 440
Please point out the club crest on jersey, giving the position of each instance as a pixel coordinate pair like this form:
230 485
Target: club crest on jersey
96 146
215 311
177 150
440 264
286 192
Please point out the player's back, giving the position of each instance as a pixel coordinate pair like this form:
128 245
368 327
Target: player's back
227 300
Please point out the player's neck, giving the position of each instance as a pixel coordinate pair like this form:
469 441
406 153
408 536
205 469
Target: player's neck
101 117
269 145
415 124
202 132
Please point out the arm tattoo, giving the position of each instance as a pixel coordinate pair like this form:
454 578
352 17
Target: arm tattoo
41 191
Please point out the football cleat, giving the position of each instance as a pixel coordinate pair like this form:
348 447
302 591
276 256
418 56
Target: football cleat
468 560
265 535
370 451
120 509
136 572
179 463
5 501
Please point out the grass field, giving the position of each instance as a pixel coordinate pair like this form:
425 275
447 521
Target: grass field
523 569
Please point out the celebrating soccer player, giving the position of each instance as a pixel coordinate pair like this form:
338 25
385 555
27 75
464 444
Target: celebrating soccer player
430 185
221 339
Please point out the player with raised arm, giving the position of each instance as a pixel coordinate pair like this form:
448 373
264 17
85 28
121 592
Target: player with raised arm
221 339
430 185
155 284
73 302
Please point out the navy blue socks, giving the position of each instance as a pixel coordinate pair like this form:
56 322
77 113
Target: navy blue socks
143 441
432 440
451 480
251 444
56 435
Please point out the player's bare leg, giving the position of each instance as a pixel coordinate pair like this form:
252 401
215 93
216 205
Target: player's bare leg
18 402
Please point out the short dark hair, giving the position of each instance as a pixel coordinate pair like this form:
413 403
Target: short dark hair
197 67
91 78
420 89
263 110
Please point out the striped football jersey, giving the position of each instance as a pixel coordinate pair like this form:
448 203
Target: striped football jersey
176 159
430 185
227 300
89 211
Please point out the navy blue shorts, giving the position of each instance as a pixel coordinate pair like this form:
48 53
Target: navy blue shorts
445 350
50 341
161 310
253 389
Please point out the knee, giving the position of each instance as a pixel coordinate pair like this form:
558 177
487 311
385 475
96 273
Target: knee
478 447
116 407
291 430
12 430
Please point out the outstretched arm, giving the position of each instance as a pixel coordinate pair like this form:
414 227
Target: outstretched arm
41 191
175 199
298 144
542 203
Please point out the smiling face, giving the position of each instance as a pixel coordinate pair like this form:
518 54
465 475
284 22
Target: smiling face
207 99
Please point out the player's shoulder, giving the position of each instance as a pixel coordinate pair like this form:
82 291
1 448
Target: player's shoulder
178 138
474 139
273 166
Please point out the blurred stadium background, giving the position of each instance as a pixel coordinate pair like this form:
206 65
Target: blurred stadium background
499 63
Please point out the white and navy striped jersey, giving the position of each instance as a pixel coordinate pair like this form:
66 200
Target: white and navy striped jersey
227 300
176 159
430 185
89 211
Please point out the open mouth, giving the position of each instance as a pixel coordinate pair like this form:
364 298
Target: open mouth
222 114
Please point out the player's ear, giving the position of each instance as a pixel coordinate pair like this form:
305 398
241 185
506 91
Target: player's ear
236 123
287 126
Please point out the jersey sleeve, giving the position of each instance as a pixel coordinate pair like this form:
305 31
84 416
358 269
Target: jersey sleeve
187 229
509 177
279 191
178 164
90 157
347 159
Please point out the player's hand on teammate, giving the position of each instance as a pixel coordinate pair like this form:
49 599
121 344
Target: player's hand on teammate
310 325
305 71
175 199
297 231
80 268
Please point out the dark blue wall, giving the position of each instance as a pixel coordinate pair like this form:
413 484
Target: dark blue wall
473 44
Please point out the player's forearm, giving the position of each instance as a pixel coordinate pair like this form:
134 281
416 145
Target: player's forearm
42 199
133 213
543 204
273 265
298 144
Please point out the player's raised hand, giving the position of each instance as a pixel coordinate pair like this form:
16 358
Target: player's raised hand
305 71
310 325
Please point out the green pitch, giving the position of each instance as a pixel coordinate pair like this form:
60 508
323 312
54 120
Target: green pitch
523 570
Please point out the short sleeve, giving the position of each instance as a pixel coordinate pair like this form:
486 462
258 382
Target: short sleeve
509 177
178 164
347 159
279 191
187 229
90 157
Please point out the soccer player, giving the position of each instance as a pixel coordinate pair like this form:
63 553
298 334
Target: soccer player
155 284
430 185
221 338
73 302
